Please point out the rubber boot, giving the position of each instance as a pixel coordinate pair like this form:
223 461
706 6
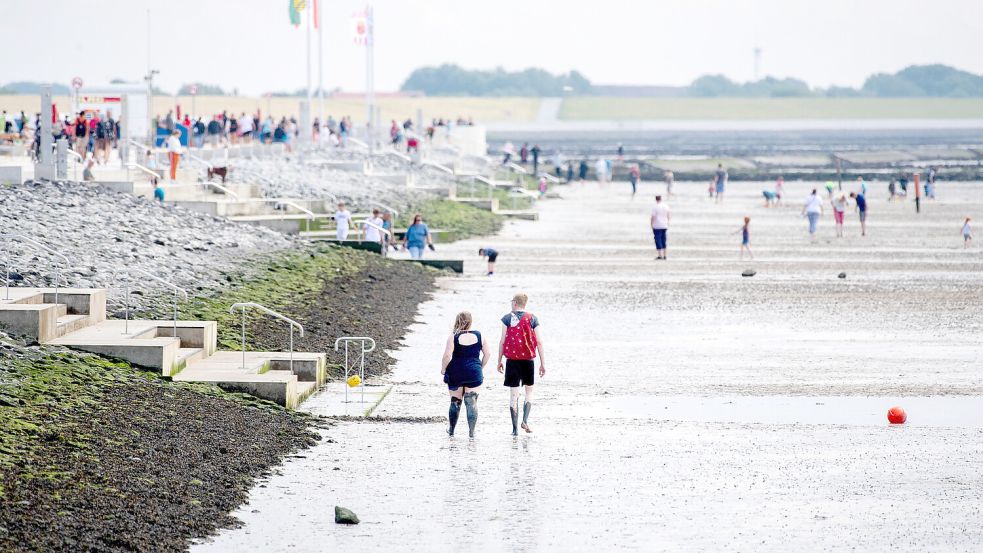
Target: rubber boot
515 420
526 407
452 414
471 404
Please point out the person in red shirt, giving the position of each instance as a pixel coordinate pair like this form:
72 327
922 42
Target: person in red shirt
519 344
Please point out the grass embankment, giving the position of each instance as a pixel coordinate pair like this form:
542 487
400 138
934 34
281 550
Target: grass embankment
331 291
606 108
460 220
98 456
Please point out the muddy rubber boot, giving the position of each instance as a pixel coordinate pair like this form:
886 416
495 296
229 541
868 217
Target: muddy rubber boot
526 407
452 414
515 420
471 404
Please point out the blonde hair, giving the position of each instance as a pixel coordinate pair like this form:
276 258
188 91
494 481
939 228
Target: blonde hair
462 323
520 299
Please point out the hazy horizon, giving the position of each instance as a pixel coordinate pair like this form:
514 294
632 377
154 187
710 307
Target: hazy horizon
249 45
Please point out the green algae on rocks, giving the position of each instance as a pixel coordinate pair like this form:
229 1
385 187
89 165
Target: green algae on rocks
97 455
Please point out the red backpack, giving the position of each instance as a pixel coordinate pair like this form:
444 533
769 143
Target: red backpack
520 340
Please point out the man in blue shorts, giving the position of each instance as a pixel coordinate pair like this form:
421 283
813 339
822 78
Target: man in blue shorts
492 256
861 210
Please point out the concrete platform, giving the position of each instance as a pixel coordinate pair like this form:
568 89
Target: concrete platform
456 265
263 374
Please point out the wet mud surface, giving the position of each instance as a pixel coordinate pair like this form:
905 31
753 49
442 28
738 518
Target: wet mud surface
681 409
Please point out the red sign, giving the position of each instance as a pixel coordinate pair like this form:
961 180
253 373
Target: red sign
77 83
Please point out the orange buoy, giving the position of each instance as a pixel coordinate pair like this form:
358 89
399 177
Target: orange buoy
896 415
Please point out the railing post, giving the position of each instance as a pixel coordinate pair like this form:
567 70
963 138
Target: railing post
291 349
126 315
175 312
243 336
6 267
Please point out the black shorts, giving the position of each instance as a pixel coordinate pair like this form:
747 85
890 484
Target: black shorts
520 372
492 257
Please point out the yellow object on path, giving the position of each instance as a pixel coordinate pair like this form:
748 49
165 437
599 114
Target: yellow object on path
353 381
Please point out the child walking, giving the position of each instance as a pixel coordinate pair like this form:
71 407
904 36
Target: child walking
967 233
745 238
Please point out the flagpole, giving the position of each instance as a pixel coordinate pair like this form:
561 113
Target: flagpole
310 17
369 77
320 61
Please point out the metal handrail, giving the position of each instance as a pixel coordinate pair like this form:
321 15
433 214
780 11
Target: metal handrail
386 232
72 152
361 371
225 190
133 270
517 168
143 147
310 214
436 165
271 313
549 177
386 207
357 142
146 170
36 244
400 155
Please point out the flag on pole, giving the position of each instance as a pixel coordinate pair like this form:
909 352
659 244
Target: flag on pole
360 27
296 6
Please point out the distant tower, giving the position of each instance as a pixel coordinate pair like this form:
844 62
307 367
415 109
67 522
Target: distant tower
757 63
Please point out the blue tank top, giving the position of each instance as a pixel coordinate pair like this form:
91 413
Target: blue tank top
465 365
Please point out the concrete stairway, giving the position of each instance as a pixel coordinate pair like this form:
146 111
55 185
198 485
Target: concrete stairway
182 350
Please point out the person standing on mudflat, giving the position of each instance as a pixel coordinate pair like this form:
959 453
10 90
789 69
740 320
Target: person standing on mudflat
660 226
462 365
519 344
720 180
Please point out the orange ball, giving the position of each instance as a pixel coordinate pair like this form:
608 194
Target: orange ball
896 415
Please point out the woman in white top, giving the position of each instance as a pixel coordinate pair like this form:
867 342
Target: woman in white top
812 209
174 152
343 218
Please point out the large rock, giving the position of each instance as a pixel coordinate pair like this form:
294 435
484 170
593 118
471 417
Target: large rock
749 273
344 516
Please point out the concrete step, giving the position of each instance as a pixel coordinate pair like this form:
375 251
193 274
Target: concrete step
150 344
71 323
263 374
186 356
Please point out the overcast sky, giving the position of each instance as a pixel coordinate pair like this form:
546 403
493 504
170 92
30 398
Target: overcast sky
250 45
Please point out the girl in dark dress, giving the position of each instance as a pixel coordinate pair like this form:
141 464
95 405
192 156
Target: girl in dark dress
465 357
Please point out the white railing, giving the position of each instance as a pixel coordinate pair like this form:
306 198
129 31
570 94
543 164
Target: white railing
243 306
438 166
131 271
399 155
549 178
363 341
281 201
146 170
517 168
143 147
40 246
220 187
